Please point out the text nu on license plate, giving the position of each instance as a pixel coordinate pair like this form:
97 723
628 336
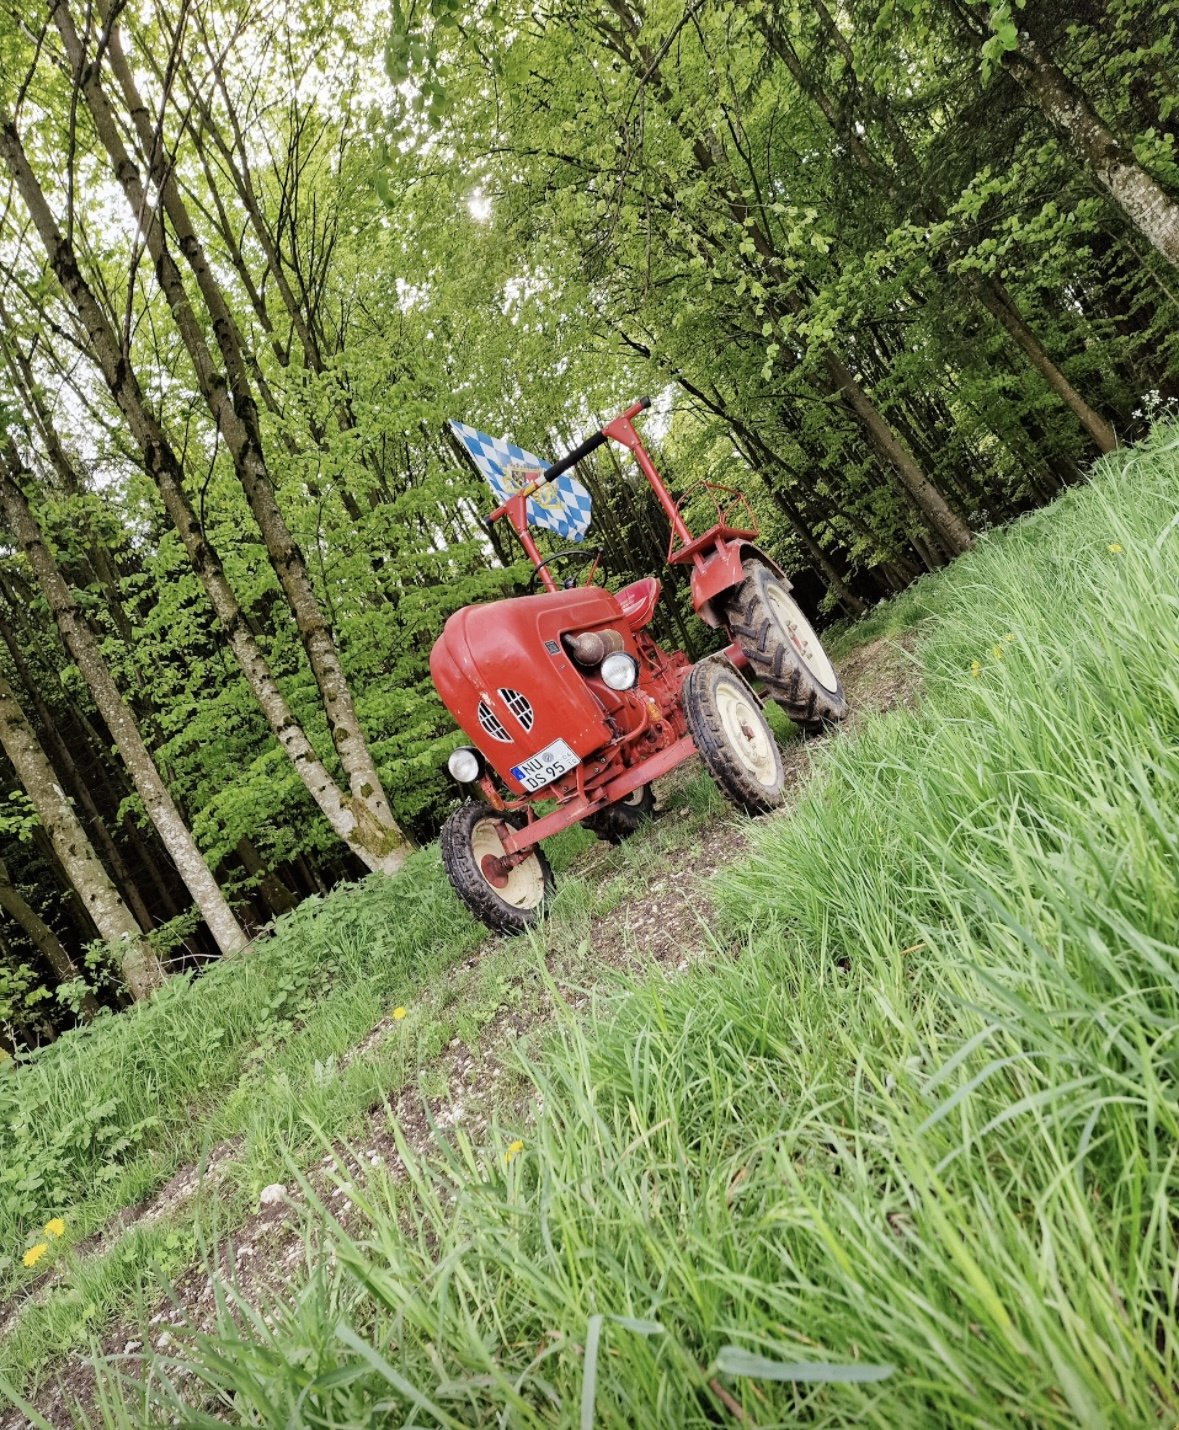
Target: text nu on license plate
545 766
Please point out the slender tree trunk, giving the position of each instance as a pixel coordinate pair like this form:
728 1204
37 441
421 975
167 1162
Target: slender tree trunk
999 303
82 866
949 528
236 415
101 562
82 645
63 759
709 156
1140 197
990 292
164 467
47 943
275 894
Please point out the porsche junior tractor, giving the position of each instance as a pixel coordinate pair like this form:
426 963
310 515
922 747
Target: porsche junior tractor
565 696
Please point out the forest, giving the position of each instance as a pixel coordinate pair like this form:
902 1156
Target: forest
902 270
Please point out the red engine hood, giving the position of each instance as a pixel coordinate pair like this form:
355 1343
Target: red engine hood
504 675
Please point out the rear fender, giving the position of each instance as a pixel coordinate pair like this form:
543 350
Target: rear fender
722 573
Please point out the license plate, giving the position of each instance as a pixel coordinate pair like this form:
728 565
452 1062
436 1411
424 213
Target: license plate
544 767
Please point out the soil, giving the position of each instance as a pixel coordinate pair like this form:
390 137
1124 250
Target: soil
669 926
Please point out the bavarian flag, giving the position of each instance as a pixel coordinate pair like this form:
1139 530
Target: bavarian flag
562 506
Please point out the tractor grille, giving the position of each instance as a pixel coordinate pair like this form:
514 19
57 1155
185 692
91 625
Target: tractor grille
519 706
492 725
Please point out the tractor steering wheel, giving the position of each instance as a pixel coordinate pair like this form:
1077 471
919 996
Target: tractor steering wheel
570 553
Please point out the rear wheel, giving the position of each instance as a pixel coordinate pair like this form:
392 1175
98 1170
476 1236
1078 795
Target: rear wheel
731 732
506 900
620 820
783 650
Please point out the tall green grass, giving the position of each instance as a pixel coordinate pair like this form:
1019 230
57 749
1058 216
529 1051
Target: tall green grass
909 1160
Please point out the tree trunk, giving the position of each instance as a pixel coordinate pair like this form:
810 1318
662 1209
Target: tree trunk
999 303
101 562
163 465
925 206
708 152
141 968
82 645
64 760
1140 197
237 420
48 945
949 528
275 894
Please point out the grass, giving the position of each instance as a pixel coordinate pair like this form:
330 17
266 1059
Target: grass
282 1022
909 1159
96 1120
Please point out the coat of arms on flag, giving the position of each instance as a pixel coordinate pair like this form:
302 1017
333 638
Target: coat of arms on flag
562 505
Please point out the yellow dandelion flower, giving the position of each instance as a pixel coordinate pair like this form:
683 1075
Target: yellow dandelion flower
55 1227
398 1014
997 651
35 1253
1009 638
976 668
1115 548
513 1148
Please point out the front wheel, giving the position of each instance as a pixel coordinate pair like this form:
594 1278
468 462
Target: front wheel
783 650
506 900
731 732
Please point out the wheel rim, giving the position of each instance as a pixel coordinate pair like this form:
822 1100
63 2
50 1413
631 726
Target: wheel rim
523 884
747 732
800 633
635 797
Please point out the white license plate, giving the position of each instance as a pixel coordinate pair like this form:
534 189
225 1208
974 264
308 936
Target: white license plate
545 766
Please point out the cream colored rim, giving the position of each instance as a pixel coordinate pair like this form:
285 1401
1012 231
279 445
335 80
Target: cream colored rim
747 732
525 886
635 796
801 636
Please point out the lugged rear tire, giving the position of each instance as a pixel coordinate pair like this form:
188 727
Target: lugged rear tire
733 736
619 821
468 837
783 650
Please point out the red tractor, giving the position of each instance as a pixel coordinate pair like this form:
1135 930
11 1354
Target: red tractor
569 702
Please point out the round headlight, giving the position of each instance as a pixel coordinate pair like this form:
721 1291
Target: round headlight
620 671
464 764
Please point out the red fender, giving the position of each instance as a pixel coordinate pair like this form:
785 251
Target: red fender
722 572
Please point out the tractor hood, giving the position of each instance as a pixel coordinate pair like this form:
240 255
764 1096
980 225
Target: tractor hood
504 674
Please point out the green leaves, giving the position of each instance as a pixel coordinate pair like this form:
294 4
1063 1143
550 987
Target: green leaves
1004 40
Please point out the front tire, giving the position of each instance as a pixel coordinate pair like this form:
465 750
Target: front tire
734 738
507 903
783 650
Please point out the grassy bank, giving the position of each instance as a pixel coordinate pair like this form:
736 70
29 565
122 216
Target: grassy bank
98 1119
252 1061
909 1159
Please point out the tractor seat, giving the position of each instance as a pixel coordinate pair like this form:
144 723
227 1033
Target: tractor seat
638 601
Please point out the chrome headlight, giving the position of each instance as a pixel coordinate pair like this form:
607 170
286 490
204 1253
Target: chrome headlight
620 671
465 765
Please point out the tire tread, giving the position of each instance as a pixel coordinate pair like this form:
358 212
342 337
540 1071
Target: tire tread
773 661
708 733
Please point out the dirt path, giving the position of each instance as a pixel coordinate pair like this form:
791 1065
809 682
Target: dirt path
667 926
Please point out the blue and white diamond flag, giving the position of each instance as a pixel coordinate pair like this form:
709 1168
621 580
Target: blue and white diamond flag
563 505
